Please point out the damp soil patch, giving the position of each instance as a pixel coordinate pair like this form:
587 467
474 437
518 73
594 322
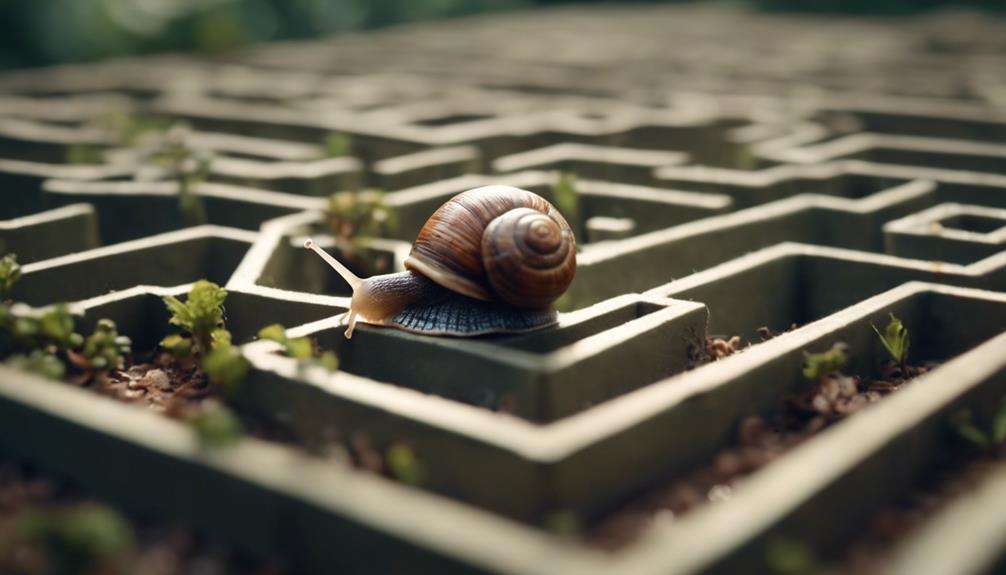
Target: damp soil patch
756 442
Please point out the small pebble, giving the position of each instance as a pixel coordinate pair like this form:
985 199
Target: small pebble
157 379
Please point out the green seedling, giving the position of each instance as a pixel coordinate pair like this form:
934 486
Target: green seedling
565 523
895 341
403 464
199 316
82 538
129 130
216 426
338 144
299 348
567 199
785 556
817 366
105 349
51 330
38 361
353 215
81 154
170 153
10 272
225 366
994 437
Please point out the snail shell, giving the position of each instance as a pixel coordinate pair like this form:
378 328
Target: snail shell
489 260
498 243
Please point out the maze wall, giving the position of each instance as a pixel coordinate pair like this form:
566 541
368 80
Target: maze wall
738 174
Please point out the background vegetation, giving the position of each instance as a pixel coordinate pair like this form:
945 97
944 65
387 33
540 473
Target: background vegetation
43 32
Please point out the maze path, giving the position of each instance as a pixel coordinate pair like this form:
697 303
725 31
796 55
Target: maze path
720 191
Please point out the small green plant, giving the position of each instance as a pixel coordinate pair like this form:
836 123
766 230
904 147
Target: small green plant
353 215
80 154
338 144
81 538
189 167
895 341
130 130
995 436
403 464
216 426
299 348
567 199
171 154
24 330
10 273
786 556
105 348
564 523
817 366
38 361
225 366
199 316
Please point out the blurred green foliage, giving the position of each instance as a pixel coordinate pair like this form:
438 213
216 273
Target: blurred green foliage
41 32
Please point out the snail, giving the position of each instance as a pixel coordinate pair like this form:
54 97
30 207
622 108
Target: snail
489 260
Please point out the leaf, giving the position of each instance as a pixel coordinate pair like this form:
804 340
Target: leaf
566 197
786 556
329 361
219 338
200 314
39 362
299 348
177 345
216 426
963 424
999 424
10 273
818 365
337 144
894 338
403 464
274 332
226 367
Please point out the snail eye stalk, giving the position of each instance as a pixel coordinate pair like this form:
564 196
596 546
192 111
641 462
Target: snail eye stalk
351 278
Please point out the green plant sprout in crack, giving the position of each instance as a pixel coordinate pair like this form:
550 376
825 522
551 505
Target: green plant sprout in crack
354 215
199 316
403 464
80 538
992 438
567 199
10 272
170 154
786 556
39 362
103 350
216 426
338 144
817 366
299 348
895 341
205 338
225 366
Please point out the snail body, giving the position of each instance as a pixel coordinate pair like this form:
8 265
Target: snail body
489 260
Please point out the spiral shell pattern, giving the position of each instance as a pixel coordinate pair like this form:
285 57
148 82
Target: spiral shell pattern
498 243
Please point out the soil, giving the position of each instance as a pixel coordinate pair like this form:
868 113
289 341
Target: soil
713 348
157 549
178 389
163 384
958 473
758 441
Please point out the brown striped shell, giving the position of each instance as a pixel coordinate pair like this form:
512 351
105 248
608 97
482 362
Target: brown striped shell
497 243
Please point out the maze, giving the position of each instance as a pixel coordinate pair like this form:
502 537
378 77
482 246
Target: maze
785 180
